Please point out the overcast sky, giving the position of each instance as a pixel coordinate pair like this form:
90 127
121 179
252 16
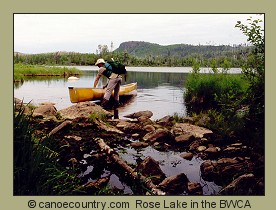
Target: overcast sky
40 33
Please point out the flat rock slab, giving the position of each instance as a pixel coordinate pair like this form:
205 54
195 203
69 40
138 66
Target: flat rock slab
196 131
82 109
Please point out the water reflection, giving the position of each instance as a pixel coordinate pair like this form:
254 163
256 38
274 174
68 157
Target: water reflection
161 93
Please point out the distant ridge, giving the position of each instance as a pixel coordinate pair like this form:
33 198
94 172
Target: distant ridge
143 49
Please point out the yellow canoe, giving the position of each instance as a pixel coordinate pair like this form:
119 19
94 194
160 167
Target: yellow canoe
78 94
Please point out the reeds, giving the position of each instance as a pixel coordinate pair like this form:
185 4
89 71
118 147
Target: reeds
36 167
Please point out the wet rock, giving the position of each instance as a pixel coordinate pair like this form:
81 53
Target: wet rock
139 144
243 185
185 138
136 115
83 110
236 149
122 124
94 186
45 111
194 188
129 127
212 150
149 128
174 184
135 135
209 170
76 138
157 135
196 131
144 120
150 168
165 121
187 156
201 148
194 145
224 169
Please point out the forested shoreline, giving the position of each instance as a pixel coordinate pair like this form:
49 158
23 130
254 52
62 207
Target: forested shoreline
175 55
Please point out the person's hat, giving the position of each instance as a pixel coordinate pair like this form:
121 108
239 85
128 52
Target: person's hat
100 60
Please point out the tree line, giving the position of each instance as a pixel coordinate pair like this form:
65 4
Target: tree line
233 59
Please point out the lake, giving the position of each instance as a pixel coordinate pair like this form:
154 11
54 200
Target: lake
160 89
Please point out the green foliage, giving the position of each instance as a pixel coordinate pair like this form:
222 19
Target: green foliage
196 67
206 91
225 66
36 167
214 66
218 96
233 103
254 71
143 54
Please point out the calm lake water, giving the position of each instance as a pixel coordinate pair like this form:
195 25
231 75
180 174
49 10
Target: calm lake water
160 89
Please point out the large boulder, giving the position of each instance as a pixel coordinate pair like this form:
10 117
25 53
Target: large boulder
157 135
185 138
45 110
165 121
174 184
150 168
83 110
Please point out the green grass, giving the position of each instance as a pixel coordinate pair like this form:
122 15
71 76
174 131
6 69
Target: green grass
21 70
214 90
36 167
220 98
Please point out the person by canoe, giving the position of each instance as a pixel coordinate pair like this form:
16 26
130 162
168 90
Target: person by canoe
114 83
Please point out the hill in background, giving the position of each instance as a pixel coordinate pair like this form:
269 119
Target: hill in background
143 49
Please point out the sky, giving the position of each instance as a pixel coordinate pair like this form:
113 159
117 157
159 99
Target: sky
43 33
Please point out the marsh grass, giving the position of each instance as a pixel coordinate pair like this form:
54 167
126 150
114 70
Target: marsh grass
217 91
218 98
22 70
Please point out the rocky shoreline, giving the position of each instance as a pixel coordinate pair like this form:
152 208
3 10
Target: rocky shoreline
237 167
